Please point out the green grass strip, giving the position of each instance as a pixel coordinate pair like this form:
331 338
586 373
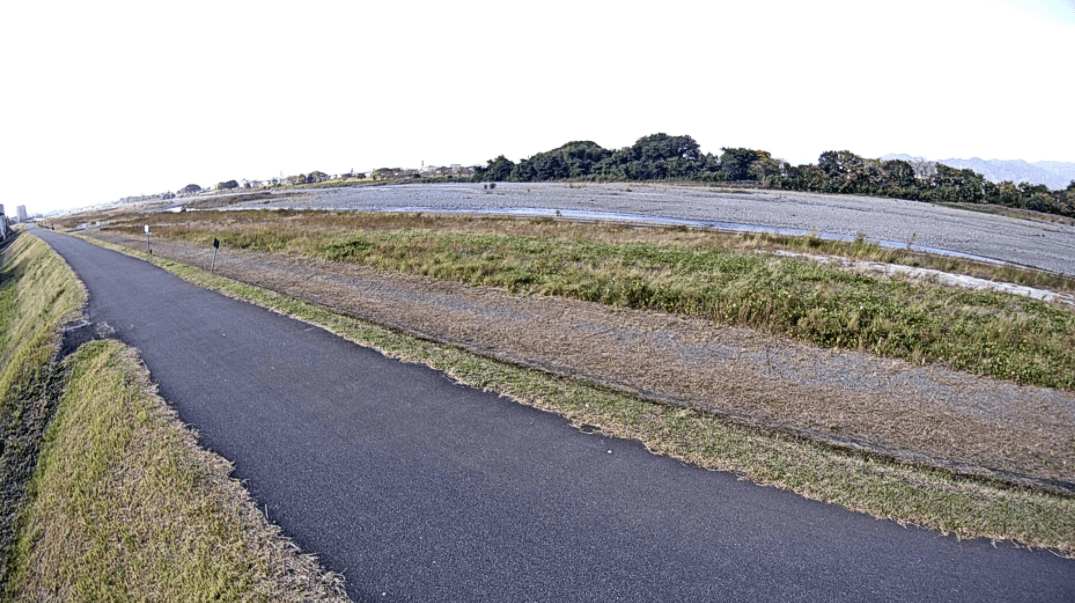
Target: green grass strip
37 293
986 333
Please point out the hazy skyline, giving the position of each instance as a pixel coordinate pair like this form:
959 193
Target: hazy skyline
110 99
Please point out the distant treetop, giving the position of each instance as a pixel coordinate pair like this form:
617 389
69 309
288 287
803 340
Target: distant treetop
664 157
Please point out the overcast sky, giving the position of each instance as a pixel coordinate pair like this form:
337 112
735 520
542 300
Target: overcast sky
106 99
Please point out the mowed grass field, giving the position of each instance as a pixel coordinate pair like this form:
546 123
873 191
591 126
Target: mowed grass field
966 506
695 273
116 502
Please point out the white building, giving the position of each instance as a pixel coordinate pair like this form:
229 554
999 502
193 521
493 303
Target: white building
22 212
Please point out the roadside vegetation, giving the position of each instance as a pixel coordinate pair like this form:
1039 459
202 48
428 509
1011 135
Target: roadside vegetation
106 495
126 506
37 295
693 273
965 506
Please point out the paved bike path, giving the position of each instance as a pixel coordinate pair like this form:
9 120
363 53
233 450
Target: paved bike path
419 489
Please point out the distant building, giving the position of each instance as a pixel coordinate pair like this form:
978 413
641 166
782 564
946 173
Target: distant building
1 208
22 213
454 171
434 171
394 173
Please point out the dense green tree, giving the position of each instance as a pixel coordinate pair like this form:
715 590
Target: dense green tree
584 157
498 170
1065 200
807 177
660 156
899 174
573 160
656 156
957 186
1005 193
736 163
844 171
1029 189
767 170
656 148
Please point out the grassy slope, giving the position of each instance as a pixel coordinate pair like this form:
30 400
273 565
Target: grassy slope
37 293
127 507
933 499
123 505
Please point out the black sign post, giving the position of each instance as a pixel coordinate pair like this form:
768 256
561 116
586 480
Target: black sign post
216 245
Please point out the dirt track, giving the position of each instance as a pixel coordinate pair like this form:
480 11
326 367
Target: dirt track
947 416
1049 246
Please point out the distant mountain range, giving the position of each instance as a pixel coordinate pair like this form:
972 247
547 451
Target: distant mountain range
1054 174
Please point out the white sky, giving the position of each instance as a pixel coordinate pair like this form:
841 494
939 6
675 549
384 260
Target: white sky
106 99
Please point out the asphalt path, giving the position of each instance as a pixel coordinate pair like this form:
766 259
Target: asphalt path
419 489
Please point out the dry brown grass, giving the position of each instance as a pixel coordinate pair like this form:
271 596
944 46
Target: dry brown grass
37 294
126 506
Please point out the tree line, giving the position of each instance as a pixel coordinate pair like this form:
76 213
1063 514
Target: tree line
664 157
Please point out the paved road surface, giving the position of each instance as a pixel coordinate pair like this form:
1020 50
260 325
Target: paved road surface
425 490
